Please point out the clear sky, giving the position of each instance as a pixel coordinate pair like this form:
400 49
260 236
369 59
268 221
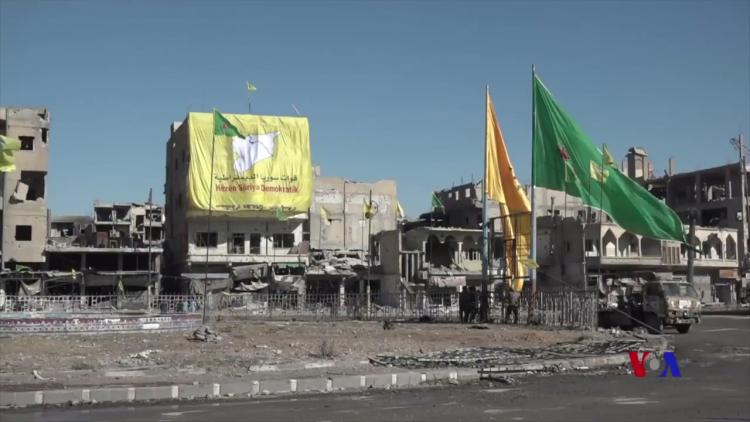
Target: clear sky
393 89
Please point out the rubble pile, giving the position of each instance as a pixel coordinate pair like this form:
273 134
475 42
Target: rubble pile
485 356
205 334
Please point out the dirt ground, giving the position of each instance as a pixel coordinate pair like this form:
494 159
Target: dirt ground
245 346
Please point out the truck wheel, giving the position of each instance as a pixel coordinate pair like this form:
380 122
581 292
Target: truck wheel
682 328
653 323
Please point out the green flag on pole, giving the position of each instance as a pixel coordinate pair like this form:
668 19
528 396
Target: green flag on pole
436 204
222 126
561 147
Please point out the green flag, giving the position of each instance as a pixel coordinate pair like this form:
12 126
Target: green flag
251 87
279 214
7 147
560 146
223 127
436 204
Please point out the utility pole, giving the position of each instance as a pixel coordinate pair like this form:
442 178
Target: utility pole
691 248
737 143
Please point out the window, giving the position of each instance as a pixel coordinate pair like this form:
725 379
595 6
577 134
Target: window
237 246
179 201
254 243
23 233
30 186
283 240
467 193
589 245
45 132
27 143
203 239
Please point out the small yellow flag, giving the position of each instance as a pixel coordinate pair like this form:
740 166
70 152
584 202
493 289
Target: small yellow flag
324 216
608 160
369 210
400 211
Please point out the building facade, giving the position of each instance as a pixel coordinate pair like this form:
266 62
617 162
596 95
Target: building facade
24 204
196 246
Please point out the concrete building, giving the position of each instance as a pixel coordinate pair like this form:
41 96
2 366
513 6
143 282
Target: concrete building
194 249
715 193
612 252
110 246
342 200
24 191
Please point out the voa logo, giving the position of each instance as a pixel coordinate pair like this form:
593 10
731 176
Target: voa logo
665 366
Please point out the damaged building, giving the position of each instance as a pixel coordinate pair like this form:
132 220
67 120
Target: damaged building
196 251
339 231
24 204
611 252
440 253
112 248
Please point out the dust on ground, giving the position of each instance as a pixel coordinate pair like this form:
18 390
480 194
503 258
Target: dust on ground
243 347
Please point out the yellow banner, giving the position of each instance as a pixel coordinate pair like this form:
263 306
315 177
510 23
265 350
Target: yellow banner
267 168
503 187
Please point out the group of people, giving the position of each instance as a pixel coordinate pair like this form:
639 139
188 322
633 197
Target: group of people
469 301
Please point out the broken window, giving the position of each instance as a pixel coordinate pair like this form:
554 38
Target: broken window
283 240
27 143
238 244
30 186
254 243
23 233
203 239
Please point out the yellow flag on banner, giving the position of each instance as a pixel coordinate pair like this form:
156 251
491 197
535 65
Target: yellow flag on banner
503 186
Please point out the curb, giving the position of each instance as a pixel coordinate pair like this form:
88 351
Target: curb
255 388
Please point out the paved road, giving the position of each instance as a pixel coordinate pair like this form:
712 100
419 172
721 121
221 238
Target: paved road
715 386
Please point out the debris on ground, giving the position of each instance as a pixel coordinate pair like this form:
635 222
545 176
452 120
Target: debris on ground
388 325
145 355
248 343
39 377
205 334
479 327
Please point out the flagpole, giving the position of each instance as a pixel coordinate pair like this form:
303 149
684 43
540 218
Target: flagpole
208 225
532 272
601 219
485 258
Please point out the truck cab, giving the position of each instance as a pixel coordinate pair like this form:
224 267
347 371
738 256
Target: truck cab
672 303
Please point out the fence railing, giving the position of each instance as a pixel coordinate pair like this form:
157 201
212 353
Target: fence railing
101 304
554 309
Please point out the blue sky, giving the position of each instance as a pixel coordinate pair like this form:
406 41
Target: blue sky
392 89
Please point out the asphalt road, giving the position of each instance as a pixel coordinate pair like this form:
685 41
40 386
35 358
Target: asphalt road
714 360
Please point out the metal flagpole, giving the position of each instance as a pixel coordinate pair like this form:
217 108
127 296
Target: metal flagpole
601 222
485 269
532 272
208 225
148 237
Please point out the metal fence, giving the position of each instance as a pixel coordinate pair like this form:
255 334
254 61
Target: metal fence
554 309
101 304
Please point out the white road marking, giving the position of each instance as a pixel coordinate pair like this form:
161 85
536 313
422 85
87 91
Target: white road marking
498 390
176 414
633 400
718 330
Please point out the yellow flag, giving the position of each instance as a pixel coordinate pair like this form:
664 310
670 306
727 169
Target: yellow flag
608 160
400 211
324 216
368 210
8 146
503 187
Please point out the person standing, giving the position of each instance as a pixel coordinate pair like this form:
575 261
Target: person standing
512 299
